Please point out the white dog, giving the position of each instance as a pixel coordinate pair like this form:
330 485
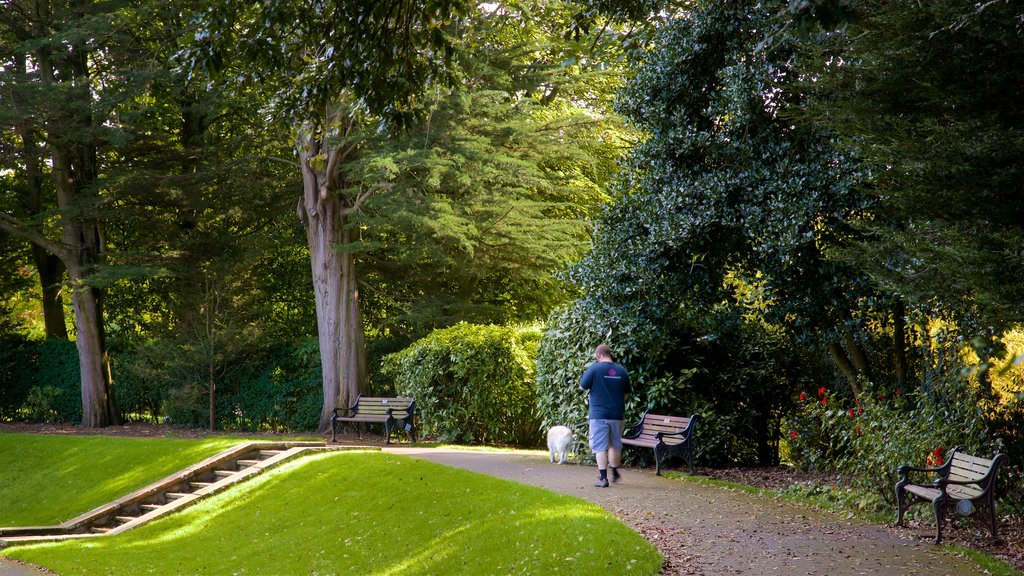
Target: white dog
559 442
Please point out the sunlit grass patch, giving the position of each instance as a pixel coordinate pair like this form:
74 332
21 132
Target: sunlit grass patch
48 478
367 513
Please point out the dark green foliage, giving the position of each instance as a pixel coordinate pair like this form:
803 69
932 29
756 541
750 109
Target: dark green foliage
386 54
39 381
932 96
720 218
262 386
472 383
489 194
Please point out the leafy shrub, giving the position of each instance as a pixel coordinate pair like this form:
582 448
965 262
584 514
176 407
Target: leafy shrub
39 405
472 383
867 438
51 368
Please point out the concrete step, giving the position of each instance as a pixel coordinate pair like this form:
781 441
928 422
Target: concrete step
124 519
270 453
224 473
150 507
199 485
175 495
99 529
246 463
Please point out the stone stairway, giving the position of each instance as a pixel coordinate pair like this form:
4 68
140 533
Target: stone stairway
173 493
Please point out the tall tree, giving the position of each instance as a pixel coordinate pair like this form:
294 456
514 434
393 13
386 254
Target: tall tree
51 78
341 92
489 195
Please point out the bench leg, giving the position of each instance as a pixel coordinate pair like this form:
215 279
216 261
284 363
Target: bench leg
900 505
992 516
334 427
937 506
660 453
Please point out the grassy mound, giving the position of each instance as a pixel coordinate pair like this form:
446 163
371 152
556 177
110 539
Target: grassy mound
47 479
366 513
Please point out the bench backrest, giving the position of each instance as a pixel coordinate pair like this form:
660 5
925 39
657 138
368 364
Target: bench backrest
653 424
374 405
967 468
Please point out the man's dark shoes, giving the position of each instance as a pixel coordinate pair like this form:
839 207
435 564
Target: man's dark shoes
601 483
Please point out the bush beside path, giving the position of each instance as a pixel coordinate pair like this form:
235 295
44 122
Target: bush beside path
707 530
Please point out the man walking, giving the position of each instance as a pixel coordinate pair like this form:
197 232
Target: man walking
608 384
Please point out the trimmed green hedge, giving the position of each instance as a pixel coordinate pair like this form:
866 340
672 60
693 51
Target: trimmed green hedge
472 383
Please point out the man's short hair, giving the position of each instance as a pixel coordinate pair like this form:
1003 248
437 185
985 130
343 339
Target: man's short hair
603 350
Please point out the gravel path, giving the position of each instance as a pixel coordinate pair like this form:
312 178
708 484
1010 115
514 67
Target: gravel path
704 530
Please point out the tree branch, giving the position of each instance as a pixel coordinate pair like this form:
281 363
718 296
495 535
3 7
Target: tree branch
15 227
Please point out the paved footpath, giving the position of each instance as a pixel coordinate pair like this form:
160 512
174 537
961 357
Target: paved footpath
706 530
9 567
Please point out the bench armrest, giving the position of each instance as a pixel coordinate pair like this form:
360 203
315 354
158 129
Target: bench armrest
350 411
905 469
681 433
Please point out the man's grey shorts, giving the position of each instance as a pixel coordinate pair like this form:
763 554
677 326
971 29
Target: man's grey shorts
605 434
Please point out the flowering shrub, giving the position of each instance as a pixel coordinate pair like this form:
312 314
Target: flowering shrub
866 439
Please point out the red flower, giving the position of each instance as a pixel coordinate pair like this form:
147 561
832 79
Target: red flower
858 430
860 410
821 392
793 434
824 401
803 396
851 413
881 395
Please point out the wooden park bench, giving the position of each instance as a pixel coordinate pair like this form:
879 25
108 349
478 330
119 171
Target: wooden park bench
394 413
963 482
667 435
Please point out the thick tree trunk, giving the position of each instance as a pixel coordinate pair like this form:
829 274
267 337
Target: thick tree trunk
324 213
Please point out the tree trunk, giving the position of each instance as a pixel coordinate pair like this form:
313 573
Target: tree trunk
845 366
899 336
51 273
324 212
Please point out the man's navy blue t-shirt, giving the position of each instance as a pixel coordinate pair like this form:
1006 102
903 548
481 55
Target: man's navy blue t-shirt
608 383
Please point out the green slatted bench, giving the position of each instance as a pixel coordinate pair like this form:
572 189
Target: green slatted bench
394 413
666 435
963 482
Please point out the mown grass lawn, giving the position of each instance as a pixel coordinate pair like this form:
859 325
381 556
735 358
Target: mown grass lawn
47 479
366 513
